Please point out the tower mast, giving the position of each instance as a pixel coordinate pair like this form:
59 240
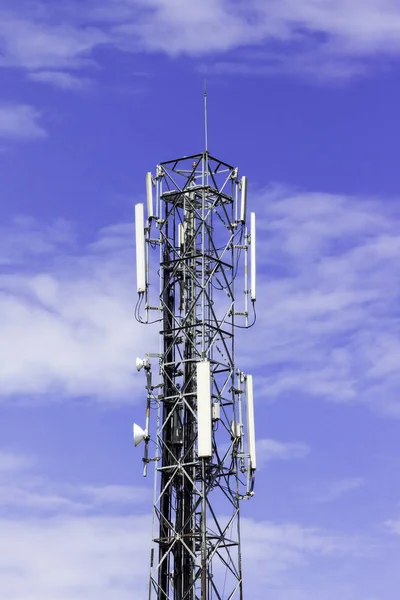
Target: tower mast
203 404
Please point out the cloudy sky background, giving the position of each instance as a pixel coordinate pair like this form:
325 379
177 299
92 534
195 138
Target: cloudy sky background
303 97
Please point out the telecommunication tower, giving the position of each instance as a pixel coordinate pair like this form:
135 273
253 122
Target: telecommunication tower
202 435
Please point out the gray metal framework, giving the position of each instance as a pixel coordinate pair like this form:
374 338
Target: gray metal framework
202 241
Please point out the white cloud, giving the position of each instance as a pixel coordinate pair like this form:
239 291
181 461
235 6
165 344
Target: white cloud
98 557
61 80
168 27
337 489
328 284
68 542
268 449
67 558
20 122
286 543
316 66
67 321
294 562
327 279
350 26
40 497
324 39
393 525
24 236
11 463
355 25
33 41
22 487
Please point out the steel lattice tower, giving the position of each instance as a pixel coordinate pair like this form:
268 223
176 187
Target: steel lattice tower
203 432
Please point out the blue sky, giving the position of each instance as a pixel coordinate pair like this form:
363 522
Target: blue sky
303 97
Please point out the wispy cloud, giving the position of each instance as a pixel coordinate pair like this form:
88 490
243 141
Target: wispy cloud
280 557
67 321
61 80
323 39
326 324
268 449
23 490
336 489
11 463
95 557
268 538
64 541
344 27
314 66
103 556
25 236
35 39
20 122
393 525
328 280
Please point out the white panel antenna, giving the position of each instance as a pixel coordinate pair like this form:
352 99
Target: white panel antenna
181 235
251 434
243 199
149 194
140 249
236 430
216 411
204 422
253 256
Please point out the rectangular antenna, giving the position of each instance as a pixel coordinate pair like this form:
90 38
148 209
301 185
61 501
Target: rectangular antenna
253 256
149 194
243 199
251 433
181 235
140 249
204 422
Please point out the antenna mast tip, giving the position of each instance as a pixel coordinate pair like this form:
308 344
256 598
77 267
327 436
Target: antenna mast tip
205 115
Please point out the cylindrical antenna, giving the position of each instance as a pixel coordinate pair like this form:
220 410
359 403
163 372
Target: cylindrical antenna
253 256
149 193
159 175
140 249
251 433
243 199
